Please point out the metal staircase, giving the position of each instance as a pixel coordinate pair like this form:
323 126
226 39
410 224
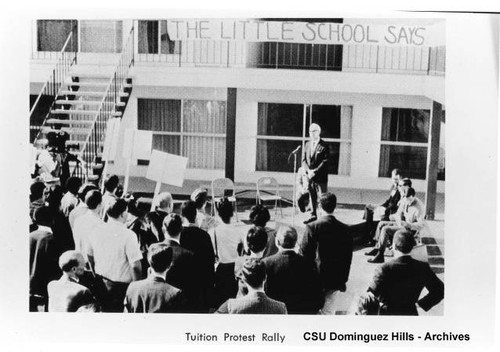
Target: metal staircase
83 105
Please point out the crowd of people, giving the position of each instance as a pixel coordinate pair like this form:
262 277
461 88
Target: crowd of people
101 252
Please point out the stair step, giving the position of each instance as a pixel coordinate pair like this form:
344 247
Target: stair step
84 102
74 112
78 102
70 122
89 93
87 84
91 75
47 130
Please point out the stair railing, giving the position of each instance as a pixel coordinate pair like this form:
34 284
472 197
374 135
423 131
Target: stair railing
65 60
95 138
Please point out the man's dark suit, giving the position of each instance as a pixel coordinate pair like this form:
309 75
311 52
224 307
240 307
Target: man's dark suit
44 265
198 241
252 303
183 272
332 241
294 280
316 161
153 295
399 282
155 219
391 204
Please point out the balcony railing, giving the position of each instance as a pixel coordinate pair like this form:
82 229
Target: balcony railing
279 55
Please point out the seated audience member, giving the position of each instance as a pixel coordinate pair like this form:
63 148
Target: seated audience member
154 294
398 283
70 199
411 218
111 184
163 205
87 223
390 206
37 197
403 187
259 216
66 294
203 220
367 304
115 256
43 258
227 238
292 278
256 241
198 241
81 208
183 272
253 276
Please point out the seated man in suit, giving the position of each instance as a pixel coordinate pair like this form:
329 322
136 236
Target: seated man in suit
292 278
154 294
66 294
409 217
253 276
398 283
390 206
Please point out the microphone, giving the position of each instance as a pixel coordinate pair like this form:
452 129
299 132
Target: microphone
296 149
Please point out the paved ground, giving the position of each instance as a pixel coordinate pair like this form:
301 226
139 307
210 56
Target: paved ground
431 251
350 211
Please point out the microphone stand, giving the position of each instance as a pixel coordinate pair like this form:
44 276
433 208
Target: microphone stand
294 183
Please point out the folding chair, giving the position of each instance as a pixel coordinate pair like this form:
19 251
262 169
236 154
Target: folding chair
268 190
223 187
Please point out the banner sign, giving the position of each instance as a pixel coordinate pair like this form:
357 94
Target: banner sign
166 168
300 32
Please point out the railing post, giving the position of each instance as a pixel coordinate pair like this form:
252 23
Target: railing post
115 91
228 43
429 61
376 62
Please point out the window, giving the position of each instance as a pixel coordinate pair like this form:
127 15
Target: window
153 36
405 135
192 128
52 34
283 127
101 36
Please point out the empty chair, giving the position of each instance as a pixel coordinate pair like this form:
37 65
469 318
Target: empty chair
268 190
224 187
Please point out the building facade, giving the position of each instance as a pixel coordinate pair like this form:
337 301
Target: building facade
237 106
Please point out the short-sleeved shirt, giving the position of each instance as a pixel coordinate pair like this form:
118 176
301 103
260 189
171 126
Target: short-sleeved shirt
226 239
114 249
83 228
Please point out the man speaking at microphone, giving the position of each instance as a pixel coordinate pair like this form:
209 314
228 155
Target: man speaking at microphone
315 164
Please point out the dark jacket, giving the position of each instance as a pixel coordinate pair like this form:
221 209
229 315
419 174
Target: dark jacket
329 242
44 258
252 303
153 295
198 241
155 219
294 280
317 161
399 282
391 204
